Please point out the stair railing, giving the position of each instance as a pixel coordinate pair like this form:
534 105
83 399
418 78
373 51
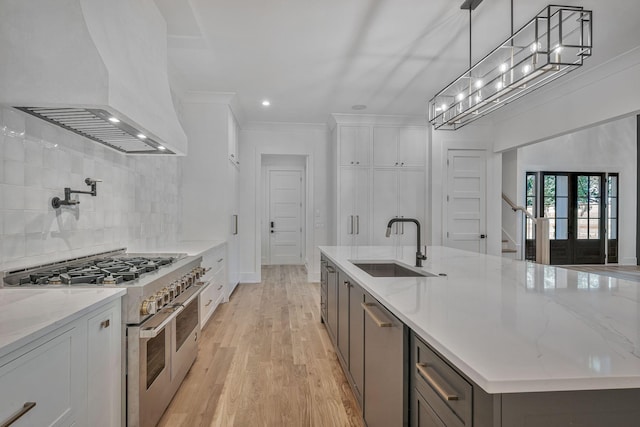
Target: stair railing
543 250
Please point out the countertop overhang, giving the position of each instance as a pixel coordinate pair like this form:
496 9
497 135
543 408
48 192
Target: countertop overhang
512 326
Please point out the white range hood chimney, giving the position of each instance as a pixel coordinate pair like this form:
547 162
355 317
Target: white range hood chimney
79 63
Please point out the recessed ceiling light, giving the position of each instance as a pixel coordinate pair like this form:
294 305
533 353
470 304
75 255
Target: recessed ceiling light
114 120
358 107
161 147
266 103
142 136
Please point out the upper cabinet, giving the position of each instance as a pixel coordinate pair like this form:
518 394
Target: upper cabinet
395 146
355 145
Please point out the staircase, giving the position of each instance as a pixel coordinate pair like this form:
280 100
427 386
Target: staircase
507 250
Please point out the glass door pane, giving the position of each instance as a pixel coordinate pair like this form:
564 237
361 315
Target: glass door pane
612 218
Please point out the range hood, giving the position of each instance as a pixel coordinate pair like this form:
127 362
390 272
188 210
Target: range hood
94 67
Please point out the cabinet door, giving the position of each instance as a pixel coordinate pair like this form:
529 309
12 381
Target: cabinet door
362 209
384 367
411 204
363 146
423 415
344 283
51 376
104 367
332 301
385 146
356 339
354 145
412 146
346 221
385 206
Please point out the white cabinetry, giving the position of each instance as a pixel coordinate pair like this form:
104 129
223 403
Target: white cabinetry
381 174
213 294
354 217
210 178
104 365
399 146
398 193
73 374
355 145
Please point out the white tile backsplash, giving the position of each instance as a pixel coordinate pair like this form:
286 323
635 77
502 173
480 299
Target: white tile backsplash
137 202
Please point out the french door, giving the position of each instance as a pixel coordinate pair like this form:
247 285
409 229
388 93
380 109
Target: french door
575 206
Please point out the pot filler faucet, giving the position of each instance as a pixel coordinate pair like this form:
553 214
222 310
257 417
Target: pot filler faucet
419 255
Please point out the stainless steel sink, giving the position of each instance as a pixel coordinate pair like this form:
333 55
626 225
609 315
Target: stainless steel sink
390 269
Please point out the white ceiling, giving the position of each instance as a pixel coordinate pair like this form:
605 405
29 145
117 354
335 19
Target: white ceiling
313 58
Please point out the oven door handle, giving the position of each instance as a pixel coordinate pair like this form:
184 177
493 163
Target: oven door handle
153 331
192 293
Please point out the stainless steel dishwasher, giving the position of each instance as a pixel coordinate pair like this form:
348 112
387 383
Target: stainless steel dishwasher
385 367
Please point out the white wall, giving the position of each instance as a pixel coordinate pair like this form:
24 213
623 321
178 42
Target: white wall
610 147
474 136
136 204
257 140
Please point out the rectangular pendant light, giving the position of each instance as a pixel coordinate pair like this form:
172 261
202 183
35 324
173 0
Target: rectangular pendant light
553 43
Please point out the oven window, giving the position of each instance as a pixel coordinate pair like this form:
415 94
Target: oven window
186 322
155 357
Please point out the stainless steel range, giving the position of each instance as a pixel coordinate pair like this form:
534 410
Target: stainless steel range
160 315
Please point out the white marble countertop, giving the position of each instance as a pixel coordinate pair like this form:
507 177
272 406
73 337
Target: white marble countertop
28 314
513 326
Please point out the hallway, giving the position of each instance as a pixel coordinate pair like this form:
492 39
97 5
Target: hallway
266 360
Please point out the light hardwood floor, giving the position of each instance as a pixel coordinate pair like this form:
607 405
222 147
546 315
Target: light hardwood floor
266 360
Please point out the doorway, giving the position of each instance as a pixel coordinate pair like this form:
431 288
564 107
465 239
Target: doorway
465 200
582 212
283 223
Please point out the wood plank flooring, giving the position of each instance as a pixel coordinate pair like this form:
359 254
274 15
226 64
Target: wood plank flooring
266 360
626 272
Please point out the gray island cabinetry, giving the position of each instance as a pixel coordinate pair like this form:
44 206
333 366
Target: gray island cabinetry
399 378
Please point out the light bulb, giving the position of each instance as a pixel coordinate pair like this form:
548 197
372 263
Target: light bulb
266 103
114 120
526 69
503 67
499 85
478 98
534 47
161 148
142 136
460 96
478 84
444 107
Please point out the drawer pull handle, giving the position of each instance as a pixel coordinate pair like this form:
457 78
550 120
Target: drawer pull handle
436 381
105 324
347 284
209 303
380 322
221 259
331 269
15 417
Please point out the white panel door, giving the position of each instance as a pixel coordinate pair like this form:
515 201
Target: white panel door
411 204
465 205
285 217
385 205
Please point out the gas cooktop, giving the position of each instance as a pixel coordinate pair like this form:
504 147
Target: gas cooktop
109 268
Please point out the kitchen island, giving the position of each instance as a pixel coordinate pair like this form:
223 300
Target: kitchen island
513 328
